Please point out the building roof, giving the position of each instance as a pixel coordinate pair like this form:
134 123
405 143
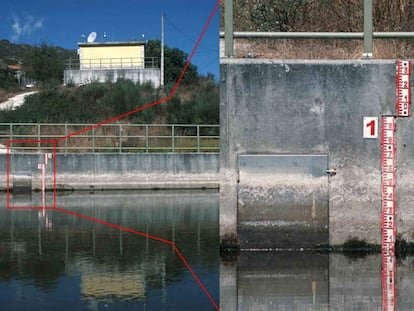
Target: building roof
115 43
14 67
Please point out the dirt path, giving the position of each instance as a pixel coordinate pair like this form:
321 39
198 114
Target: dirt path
16 101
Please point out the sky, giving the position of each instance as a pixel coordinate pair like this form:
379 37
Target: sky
63 22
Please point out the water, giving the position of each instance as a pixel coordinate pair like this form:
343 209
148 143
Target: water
56 261
305 281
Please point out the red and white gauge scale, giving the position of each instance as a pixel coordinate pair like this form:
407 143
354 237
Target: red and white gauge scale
388 226
42 168
403 88
388 185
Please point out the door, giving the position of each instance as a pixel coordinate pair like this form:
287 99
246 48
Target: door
282 201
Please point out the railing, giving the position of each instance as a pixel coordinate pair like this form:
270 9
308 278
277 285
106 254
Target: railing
367 35
112 63
111 138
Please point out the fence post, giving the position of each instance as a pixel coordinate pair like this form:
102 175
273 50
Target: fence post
368 34
66 140
38 137
120 138
198 138
146 138
93 140
11 134
228 28
173 138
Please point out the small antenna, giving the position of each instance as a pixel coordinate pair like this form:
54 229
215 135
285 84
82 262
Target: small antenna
92 37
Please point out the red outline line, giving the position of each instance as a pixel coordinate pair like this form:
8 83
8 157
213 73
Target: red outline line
160 101
148 236
196 47
32 140
8 169
195 277
54 173
8 203
112 225
87 129
26 208
155 103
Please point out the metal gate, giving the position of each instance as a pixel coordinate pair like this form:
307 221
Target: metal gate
282 201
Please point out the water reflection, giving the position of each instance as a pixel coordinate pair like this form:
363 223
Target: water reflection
50 260
307 281
55 261
278 281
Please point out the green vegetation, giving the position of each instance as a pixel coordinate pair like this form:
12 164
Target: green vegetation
352 248
321 16
196 101
12 53
8 81
403 248
99 101
195 104
355 248
42 63
229 248
175 60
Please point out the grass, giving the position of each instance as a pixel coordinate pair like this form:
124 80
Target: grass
320 16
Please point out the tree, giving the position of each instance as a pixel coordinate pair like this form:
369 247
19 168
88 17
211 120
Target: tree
200 105
175 60
8 80
43 64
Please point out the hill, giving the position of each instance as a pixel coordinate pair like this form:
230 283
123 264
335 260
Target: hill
21 54
195 102
11 53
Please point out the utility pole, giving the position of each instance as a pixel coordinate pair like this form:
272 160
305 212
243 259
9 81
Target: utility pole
228 29
367 29
162 52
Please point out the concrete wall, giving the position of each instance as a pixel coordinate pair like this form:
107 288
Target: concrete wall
119 171
84 76
316 107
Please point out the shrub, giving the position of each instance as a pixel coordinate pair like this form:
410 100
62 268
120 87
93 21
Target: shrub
321 16
96 102
200 105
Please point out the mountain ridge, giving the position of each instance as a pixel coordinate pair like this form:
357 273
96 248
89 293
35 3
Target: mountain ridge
12 53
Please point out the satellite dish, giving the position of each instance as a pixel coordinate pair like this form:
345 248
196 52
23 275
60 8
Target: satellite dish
91 37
